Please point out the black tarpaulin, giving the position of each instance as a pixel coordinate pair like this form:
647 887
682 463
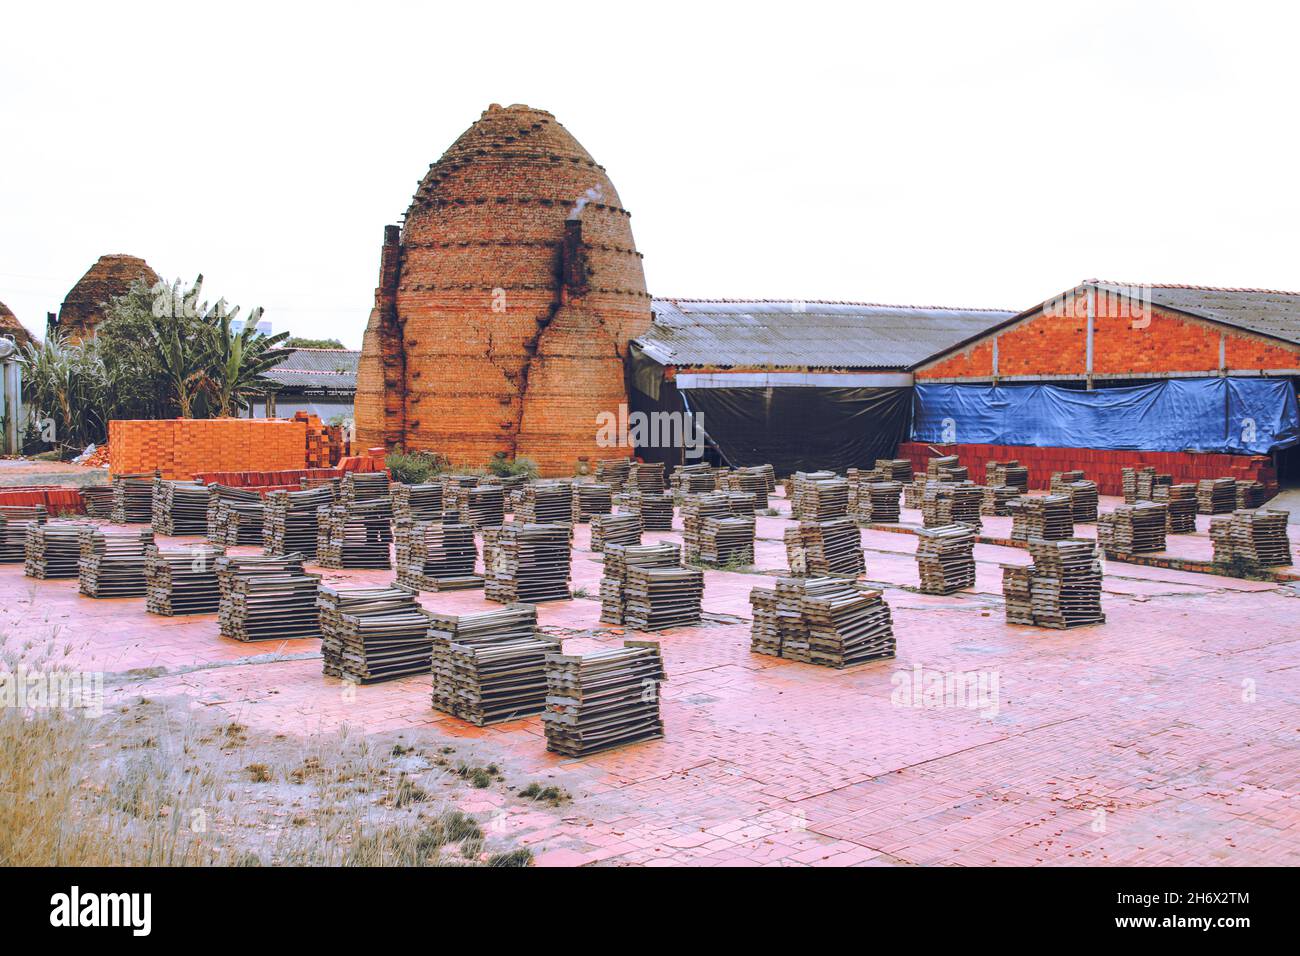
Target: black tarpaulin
803 428
794 428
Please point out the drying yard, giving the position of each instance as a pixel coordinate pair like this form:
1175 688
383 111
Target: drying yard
1165 735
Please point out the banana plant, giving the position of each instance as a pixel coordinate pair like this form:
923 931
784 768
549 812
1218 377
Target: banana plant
183 364
237 359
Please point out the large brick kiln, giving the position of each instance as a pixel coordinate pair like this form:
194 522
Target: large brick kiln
505 302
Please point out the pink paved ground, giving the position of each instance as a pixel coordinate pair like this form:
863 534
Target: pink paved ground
1166 736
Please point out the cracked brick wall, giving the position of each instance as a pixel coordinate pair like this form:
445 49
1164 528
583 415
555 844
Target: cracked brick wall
505 304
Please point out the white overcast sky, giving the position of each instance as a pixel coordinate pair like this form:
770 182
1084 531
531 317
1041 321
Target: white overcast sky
970 154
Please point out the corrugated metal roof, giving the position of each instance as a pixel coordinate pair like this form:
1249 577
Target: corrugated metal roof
1263 311
333 369
824 335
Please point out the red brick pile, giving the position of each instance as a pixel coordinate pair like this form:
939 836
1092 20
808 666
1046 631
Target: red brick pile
1101 465
325 443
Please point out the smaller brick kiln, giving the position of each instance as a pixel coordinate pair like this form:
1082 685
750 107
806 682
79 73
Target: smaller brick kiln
110 276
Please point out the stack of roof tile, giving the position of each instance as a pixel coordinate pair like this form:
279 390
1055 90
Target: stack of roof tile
53 550
235 516
945 503
695 508
752 481
1216 496
1180 504
590 499
334 484
618 558
658 597
1252 536
945 558
433 556
996 498
111 563
608 698
182 580
546 502
453 489
822 499
693 480
914 492
655 509
895 469
99 500
133 499
613 472
1250 494
483 506
1050 517
266 598
946 468
290 520
876 502
647 476
727 540
356 535
796 487
1062 478
1065 583
14 520
1008 473
825 548
365 485
741 503
1129 483
1133 529
622 528
494 688
765 631
1148 480
826 621
179 507
1083 499
373 634
418 502
1017 593
527 562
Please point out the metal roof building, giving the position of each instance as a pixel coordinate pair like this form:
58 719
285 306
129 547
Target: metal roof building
320 381
1189 376
807 336
797 384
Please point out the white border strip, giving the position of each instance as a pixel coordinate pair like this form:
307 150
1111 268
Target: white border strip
793 379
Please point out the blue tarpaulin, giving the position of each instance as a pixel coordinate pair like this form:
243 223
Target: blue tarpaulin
1227 415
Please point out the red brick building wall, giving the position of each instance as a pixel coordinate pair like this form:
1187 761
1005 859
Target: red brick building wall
1129 340
504 308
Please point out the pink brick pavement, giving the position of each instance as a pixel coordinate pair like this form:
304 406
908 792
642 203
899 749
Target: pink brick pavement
1165 736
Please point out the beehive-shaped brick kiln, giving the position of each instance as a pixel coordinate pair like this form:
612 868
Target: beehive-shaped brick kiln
505 303
110 276
10 326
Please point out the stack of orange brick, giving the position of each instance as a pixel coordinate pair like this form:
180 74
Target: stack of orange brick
325 445
179 448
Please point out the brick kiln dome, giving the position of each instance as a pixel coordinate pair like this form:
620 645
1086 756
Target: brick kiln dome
111 276
10 326
505 303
